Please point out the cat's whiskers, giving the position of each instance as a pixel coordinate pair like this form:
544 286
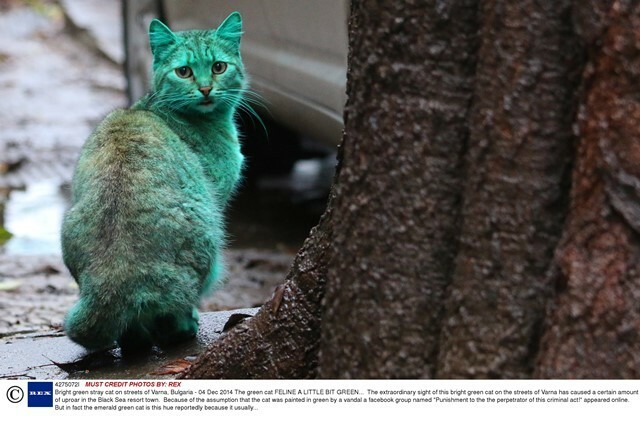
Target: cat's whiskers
235 98
249 95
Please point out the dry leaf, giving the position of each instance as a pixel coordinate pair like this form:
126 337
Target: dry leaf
94 360
172 368
234 320
8 285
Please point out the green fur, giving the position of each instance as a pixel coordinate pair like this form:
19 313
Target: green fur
144 233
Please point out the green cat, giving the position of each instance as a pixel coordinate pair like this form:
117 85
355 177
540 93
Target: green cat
144 233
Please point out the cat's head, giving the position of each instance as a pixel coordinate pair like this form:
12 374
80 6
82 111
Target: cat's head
197 71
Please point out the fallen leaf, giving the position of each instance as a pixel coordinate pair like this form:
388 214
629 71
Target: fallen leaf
6 167
8 285
234 320
172 368
50 269
4 236
94 360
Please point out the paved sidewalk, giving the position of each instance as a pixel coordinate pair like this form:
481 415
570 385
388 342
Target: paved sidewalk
51 355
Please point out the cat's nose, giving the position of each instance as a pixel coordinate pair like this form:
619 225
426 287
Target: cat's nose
205 90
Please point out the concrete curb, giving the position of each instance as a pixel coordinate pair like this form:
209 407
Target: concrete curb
51 355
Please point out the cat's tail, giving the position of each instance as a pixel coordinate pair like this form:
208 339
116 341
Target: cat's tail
101 315
93 325
133 312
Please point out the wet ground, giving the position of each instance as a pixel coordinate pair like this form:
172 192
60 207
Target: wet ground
60 74
51 355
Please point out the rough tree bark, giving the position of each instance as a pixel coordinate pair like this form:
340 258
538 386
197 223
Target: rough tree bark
281 340
593 328
517 183
397 198
435 257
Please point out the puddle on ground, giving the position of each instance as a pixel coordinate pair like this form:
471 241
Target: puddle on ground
33 216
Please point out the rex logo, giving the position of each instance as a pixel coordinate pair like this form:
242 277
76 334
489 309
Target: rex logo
40 394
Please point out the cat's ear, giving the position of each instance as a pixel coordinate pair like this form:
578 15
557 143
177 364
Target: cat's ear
230 30
160 36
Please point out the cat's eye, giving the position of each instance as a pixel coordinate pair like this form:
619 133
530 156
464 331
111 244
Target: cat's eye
184 72
219 67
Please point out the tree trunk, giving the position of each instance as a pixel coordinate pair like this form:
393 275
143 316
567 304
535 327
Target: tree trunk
593 328
515 194
457 180
398 195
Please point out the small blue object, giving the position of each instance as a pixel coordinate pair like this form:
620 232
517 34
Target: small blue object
40 394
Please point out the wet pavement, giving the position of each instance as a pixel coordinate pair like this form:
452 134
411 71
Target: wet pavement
36 291
54 90
60 74
51 355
